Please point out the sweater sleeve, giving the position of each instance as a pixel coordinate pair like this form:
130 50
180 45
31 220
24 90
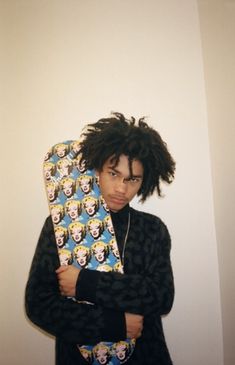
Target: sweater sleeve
147 285
62 317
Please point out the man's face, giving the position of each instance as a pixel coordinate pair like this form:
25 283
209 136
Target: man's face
117 186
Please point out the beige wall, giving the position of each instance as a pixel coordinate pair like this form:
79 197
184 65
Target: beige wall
218 34
66 62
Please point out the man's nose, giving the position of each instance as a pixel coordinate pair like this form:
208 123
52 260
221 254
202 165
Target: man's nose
121 185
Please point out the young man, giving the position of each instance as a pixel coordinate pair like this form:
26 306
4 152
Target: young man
130 159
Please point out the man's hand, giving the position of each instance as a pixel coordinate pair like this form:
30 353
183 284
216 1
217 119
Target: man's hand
67 277
134 325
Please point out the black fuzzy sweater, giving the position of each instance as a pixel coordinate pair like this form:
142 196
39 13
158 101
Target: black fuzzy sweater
145 288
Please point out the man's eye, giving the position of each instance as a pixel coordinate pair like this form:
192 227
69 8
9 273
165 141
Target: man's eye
112 173
135 179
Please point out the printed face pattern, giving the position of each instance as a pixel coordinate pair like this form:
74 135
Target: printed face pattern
68 187
86 354
121 349
85 182
100 250
52 191
77 231
109 225
80 165
90 205
49 170
73 209
61 150
57 212
82 254
64 167
102 354
65 257
61 236
95 228
83 227
114 248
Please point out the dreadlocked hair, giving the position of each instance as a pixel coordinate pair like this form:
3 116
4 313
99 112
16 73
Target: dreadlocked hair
116 136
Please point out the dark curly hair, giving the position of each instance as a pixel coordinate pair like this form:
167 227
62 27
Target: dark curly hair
116 136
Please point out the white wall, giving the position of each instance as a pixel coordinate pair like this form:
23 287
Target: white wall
67 62
218 34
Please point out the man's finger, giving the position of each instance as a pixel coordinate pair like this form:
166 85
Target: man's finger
61 269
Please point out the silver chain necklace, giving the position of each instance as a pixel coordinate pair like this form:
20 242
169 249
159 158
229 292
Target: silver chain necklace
126 236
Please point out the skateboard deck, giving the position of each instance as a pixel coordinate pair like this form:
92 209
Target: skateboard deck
84 231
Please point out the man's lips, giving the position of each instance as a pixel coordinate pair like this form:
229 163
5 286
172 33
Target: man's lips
118 200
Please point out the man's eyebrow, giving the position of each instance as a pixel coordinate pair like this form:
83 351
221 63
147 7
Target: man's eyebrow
130 177
113 168
137 176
